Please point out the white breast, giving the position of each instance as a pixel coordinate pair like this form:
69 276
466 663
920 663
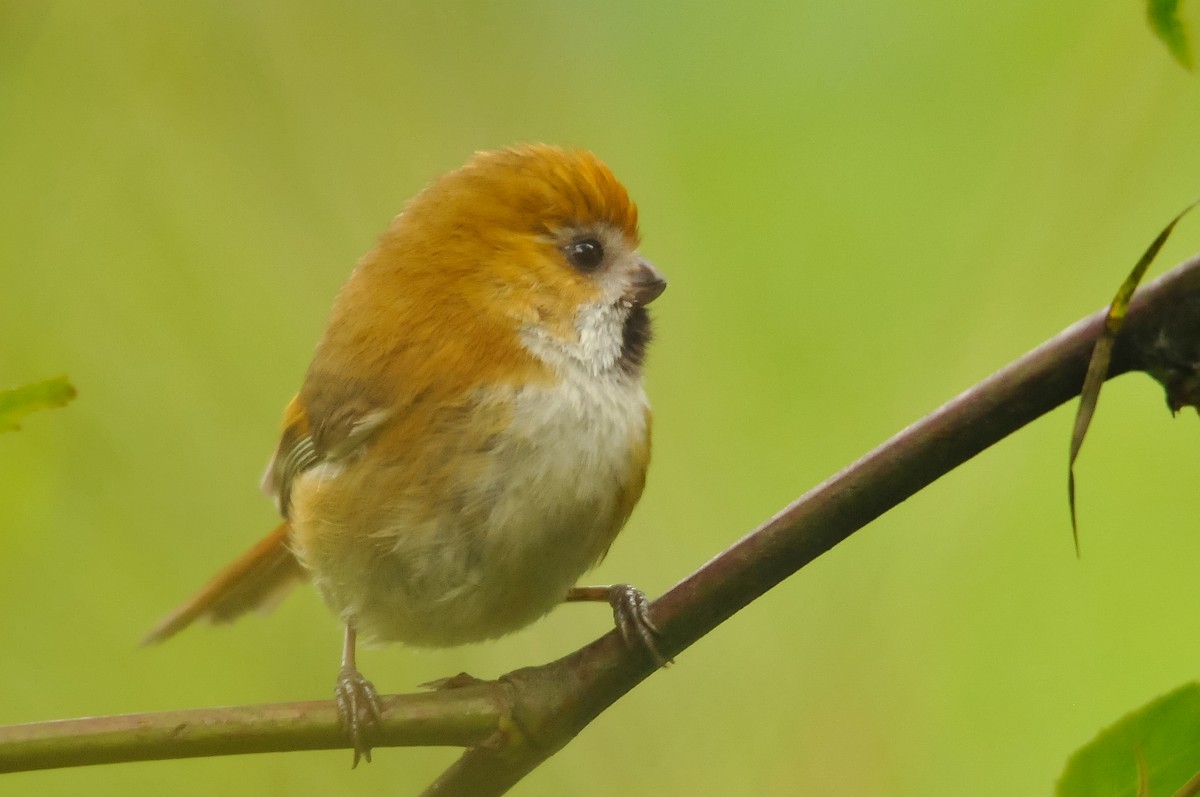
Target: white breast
569 455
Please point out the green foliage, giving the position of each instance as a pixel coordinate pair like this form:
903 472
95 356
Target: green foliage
15 404
1164 20
1149 752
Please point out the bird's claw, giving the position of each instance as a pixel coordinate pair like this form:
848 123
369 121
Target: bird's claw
631 613
358 709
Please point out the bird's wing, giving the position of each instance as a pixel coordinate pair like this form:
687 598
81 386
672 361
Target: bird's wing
303 444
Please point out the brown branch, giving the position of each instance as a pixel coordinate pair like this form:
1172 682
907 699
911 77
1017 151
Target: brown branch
529 714
460 717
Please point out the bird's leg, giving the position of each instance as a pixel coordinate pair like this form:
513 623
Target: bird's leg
631 612
357 701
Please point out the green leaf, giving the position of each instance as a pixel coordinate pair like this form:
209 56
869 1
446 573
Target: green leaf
17 403
1097 370
1151 752
1164 20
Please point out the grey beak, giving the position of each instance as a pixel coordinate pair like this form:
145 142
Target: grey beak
646 286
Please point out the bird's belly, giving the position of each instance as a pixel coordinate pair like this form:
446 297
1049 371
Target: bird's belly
496 545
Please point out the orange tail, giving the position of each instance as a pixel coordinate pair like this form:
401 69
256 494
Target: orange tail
255 579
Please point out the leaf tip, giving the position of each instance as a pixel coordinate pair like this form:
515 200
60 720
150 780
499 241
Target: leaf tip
1163 16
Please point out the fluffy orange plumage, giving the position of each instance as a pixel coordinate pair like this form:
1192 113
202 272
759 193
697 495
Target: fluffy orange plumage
472 431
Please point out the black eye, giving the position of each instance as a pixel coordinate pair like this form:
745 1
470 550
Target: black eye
585 255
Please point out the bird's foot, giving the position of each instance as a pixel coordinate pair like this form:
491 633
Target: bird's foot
631 613
358 708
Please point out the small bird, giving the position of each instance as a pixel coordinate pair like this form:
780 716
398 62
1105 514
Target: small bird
473 431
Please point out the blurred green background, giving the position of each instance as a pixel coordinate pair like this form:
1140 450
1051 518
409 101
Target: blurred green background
862 211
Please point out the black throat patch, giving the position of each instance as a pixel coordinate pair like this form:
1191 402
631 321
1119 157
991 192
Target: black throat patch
634 337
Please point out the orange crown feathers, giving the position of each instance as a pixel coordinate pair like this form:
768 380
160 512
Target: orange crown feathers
540 184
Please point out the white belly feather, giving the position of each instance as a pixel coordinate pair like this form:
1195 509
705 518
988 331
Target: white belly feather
546 511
